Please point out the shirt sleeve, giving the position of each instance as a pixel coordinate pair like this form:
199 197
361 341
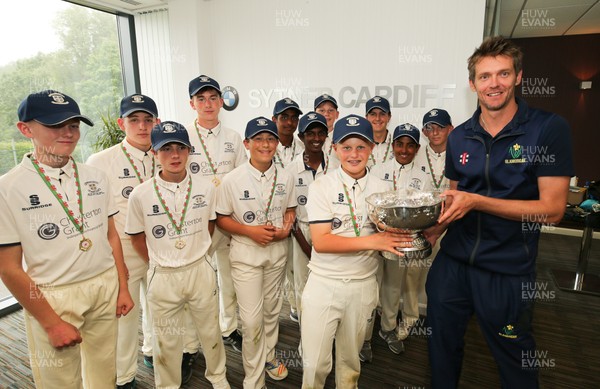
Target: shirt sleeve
212 214
223 196
554 154
8 225
449 170
240 152
317 204
291 200
134 223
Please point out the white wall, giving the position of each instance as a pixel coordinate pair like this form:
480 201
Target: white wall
412 52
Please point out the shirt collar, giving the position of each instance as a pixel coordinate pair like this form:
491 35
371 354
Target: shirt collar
52 172
135 152
349 181
257 174
205 132
434 154
407 167
173 186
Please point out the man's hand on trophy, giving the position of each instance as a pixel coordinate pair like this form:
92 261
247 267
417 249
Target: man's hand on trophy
457 205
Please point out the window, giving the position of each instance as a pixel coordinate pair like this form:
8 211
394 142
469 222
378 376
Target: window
53 44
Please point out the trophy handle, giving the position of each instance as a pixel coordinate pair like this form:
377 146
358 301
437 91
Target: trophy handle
380 229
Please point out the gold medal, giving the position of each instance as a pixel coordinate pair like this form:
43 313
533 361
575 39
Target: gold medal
85 244
268 223
216 181
180 244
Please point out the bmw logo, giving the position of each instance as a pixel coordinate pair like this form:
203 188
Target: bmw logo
126 191
249 217
48 231
230 98
158 231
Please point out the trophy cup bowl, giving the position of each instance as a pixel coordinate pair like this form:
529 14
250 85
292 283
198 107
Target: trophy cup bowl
406 211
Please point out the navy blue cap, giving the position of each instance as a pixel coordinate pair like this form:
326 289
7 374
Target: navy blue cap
203 82
323 98
169 132
378 102
352 125
284 104
258 125
137 102
310 120
438 116
50 108
407 129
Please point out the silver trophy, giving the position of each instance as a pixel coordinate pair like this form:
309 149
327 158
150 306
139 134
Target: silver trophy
406 210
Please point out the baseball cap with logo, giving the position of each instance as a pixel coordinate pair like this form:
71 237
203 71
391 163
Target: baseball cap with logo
437 116
310 120
284 104
169 132
378 102
138 102
323 98
203 82
352 125
407 129
258 125
50 108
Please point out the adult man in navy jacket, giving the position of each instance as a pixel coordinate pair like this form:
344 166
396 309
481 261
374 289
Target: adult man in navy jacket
509 168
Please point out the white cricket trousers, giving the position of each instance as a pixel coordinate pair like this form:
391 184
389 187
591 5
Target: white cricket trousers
127 340
227 300
335 309
170 291
300 266
257 274
90 306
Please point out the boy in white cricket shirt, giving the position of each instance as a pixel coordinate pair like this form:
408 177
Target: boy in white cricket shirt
127 165
216 150
170 220
256 205
397 277
327 106
378 113
286 114
341 291
57 219
306 168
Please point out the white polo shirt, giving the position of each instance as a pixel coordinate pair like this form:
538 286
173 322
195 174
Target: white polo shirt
122 175
303 176
327 203
285 155
401 176
382 152
438 162
245 192
224 146
146 214
331 160
32 216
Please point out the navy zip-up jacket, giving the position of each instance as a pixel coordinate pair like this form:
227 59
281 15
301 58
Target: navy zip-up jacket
534 144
